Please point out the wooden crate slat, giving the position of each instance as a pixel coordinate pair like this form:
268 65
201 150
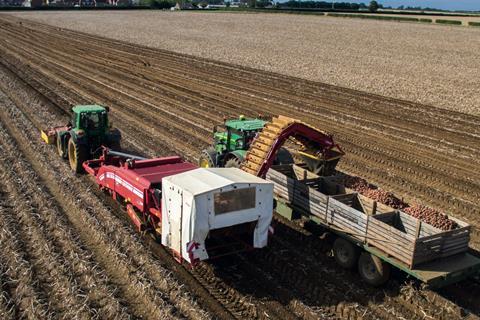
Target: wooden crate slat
397 244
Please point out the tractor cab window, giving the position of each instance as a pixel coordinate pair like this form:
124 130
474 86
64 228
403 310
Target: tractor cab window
75 119
91 121
236 134
249 136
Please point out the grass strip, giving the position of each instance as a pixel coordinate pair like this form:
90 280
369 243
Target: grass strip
455 22
374 17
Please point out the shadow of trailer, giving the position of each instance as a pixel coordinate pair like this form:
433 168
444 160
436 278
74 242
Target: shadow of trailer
371 236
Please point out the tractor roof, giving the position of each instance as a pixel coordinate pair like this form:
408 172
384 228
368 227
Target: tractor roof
245 124
88 108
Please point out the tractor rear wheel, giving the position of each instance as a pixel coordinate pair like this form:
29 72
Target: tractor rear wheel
345 253
233 163
116 146
77 154
60 150
373 270
207 158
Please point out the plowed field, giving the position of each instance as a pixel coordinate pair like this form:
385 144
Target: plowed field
67 250
429 64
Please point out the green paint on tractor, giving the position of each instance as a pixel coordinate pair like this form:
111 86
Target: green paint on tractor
88 130
88 108
232 140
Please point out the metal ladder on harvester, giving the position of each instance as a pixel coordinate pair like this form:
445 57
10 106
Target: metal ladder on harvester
263 144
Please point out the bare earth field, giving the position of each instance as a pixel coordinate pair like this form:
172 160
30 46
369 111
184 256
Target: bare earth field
68 251
429 64
463 18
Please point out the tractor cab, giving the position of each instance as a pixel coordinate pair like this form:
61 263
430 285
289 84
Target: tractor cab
84 135
91 119
231 142
236 134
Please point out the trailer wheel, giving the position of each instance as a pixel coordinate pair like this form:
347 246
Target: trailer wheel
61 152
345 253
77 154
373 270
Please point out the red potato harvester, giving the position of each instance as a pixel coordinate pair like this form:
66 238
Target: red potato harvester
209 212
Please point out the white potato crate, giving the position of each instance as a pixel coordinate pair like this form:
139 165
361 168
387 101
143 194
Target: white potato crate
196 202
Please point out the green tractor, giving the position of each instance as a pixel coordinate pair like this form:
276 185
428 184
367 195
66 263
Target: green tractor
232 141
80 139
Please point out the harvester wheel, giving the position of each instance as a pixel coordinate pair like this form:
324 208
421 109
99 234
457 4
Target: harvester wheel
345 253
77 154
373 270
61 152
206 158
233 163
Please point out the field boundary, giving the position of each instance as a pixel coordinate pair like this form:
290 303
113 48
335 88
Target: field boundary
382 16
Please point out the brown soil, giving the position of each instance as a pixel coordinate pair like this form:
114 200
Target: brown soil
166 103
426 63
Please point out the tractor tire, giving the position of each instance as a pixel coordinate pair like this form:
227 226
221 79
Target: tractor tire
345 253
77 154
206 159
61 152
233 163
116 146
373 270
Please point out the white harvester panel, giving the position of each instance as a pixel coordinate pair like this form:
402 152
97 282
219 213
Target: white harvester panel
204 199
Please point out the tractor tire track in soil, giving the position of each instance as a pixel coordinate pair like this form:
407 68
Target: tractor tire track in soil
146 292
21 293
343 310
363 123
237 303
272 307
238 307
249 91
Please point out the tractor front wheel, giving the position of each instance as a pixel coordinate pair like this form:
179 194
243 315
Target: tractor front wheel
206 159
60 150
77 154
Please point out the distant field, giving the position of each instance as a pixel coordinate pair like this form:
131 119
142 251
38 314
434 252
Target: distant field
464 19
430 64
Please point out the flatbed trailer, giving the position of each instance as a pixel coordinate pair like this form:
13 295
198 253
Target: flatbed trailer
373 235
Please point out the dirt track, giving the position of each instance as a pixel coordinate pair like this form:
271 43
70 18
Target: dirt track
430 155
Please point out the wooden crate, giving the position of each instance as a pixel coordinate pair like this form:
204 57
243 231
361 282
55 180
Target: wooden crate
441 244
415 242
299 194
394 232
